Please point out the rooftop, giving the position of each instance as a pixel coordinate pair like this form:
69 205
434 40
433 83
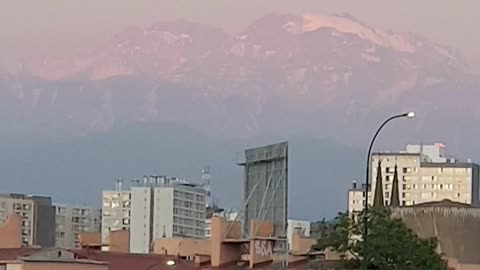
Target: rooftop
443 203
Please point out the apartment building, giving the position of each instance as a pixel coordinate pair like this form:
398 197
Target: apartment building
424 173
165 207
38 217
73 220
115 210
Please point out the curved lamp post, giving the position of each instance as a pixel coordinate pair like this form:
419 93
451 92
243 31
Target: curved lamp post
367 180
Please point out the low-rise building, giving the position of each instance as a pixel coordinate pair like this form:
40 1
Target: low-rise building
424 174
73 220
38 217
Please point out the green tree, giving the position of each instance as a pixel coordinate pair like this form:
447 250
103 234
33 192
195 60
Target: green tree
391 244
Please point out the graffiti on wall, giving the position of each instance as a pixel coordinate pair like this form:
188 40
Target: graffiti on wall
263 248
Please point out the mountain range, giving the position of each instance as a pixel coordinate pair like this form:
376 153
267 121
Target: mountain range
332 78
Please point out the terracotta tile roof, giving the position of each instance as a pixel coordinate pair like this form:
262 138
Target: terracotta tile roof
8 254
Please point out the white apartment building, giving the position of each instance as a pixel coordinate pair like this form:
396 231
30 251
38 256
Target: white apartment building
73 220
163 207
424 175
115 210
38 217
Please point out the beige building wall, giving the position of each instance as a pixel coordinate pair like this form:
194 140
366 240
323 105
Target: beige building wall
119 241
420 181
182 246
11 232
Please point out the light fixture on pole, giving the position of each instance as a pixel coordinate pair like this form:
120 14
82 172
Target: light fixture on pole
367 179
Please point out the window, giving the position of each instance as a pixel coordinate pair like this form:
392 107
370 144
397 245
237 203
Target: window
387 194
388 170
387 178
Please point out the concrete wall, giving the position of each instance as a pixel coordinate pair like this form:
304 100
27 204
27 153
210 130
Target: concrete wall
301 244
45 235
11 232
119 241
294 226
163 216
90 238
182 246
222 253
141 220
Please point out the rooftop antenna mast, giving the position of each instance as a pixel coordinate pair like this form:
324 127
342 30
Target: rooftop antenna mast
206 179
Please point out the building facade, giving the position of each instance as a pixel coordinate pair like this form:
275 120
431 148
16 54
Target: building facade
164 207
73 220
115 210
424 175
38 217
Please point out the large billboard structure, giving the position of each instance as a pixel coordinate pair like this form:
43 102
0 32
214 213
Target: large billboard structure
265 196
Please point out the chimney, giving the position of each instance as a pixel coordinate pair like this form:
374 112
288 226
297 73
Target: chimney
119 185
145 181
354 184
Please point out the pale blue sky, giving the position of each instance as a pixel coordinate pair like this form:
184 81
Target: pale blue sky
34 28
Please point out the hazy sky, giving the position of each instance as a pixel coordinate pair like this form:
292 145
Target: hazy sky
35 28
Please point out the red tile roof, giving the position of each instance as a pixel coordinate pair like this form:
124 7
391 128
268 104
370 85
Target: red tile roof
10 254
126 261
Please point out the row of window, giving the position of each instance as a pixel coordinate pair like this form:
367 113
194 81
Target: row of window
181 230
188 196
188 204
426 186
188 213
188 221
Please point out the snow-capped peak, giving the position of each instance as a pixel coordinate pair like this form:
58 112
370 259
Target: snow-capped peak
310 23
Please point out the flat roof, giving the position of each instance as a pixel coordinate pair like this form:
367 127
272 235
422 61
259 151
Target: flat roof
395 154
61 260
447 165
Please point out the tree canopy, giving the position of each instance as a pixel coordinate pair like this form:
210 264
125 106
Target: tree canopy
391 245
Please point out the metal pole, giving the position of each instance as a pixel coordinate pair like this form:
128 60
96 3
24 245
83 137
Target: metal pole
367 182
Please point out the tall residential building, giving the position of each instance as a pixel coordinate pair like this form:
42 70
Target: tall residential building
164 207
73 220
38 217
425 174
115 210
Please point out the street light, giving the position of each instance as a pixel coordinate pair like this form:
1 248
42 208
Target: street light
367 180
169 263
